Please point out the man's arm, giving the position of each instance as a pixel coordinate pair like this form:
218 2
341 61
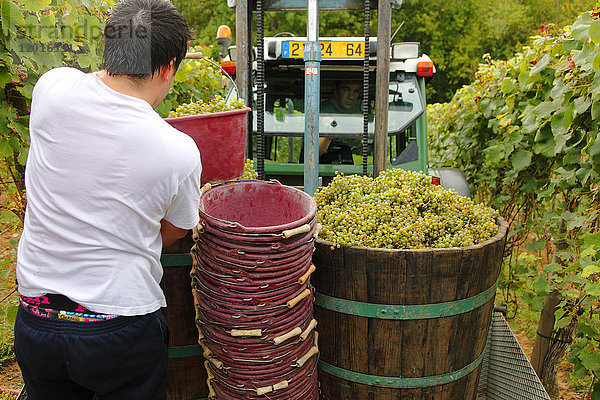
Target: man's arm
324 145
170 233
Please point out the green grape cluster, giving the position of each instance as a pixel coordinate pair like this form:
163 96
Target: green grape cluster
249 172
6 395
400 210
216 104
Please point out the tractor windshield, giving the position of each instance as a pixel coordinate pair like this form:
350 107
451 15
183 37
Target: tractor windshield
341 107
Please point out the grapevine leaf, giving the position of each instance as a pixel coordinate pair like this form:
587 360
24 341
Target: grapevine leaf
566 120
579 371
531 124
22 158
496 153
546 148
508 86
561 323
486 108
5 149
510 100
5 77
26 90
581 105
543 134
164 108
592 240
543 110
580 28
583 173
560 142
594 148
14 141
11 16
596 110
592 288
594 31
588 329
560 88
552 267
516 136
541 287
576 222
48 32
37 5
570 44
21 127
591 360
521 159
541 64
589 270
182 74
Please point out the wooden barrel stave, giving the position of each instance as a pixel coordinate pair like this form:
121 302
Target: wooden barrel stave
186 375
344 390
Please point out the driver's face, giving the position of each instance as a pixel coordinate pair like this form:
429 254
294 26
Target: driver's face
348 93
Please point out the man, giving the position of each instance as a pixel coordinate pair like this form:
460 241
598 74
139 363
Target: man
344 99
108 184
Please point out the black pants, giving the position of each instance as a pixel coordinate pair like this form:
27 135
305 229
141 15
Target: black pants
124 358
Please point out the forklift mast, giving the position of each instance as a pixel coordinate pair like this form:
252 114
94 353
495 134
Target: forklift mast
244 10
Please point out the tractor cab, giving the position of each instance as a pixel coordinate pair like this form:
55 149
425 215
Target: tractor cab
342 100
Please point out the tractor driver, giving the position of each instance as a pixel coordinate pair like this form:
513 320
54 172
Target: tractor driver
344 99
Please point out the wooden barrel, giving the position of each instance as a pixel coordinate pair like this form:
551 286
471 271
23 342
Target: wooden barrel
186 376
404 324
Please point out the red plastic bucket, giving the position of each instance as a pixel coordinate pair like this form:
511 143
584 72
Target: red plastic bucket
257 207
221 139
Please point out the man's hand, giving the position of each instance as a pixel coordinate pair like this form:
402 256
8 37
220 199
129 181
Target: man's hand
170 233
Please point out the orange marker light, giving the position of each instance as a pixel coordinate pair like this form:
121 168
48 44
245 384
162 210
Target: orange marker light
228 66
425 68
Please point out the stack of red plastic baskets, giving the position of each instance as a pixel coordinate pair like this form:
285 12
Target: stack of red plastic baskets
251 285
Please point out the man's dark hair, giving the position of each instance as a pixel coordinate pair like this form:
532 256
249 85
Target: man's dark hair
141 36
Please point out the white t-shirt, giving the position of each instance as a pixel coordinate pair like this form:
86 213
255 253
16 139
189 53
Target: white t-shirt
103 169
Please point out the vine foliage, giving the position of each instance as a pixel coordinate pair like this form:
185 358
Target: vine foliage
525 132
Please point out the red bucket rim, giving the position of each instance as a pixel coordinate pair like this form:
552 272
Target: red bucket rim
209 115
233 226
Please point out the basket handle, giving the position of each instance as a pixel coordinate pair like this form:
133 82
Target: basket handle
314 350
280 339
288 233
194 56
304 277
248 332
205 188
295 300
